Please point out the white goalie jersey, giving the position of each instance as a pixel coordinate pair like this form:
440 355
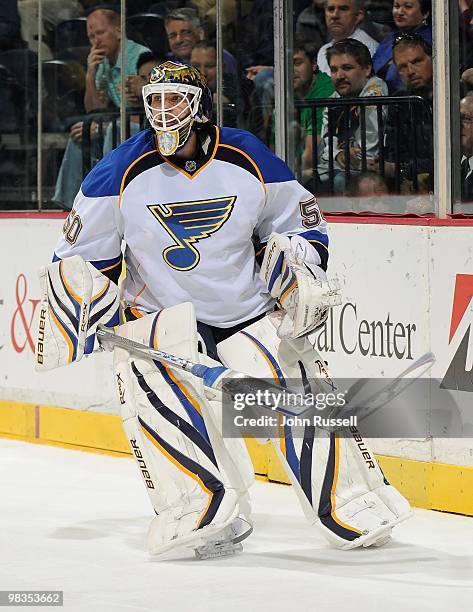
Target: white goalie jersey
191 228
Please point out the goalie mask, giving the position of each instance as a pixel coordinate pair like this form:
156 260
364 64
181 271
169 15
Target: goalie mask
175 98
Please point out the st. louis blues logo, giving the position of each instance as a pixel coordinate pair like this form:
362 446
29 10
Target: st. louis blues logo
188 223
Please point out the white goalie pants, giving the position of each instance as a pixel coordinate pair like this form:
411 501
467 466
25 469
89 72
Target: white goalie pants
198 480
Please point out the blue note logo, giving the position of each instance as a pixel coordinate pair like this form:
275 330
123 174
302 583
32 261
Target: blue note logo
189 222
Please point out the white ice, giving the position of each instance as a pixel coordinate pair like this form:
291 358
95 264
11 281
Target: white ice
76 522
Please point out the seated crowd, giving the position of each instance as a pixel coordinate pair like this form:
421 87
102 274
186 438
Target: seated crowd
344 49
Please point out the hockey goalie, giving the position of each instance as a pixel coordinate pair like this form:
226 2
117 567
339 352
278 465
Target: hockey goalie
225 256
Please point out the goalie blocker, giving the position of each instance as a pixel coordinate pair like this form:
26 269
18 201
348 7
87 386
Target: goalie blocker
75 299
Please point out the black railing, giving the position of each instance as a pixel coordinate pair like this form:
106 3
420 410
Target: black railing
104 128
101 126
404 112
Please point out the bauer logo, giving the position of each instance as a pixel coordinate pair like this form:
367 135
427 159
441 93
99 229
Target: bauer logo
362 448
40 343
459 373
141 464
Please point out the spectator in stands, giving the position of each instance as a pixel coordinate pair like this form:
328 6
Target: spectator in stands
465 8
369 193
184 29
466 17
343 18
134 100
256 30
309 84
410 17
135 82
10 36
412 56
256 39
411 142
310 23
102 91
379 18
103 76
466 81
204 58
53 13
466 119
256 55
465 22
352 75
208 13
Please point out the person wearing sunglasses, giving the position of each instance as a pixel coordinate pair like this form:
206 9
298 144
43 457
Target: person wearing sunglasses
409 136
410 17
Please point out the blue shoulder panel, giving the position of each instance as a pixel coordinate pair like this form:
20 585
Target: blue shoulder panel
273 169
106 177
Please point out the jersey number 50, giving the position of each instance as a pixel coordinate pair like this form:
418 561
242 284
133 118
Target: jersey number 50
310 213
72 227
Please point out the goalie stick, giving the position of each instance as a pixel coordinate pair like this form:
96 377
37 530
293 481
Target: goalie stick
231 382
217 377
388 392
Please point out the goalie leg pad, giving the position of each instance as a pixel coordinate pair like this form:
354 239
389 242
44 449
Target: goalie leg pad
339 484
196 488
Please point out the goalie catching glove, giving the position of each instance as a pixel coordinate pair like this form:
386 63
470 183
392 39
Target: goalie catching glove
292 275
75 299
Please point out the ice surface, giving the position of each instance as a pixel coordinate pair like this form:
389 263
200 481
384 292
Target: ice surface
77 522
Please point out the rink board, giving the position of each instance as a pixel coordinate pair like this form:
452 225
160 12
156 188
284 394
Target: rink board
415 276
426 484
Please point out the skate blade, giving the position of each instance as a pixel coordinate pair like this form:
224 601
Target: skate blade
226 543
217 549
381 541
